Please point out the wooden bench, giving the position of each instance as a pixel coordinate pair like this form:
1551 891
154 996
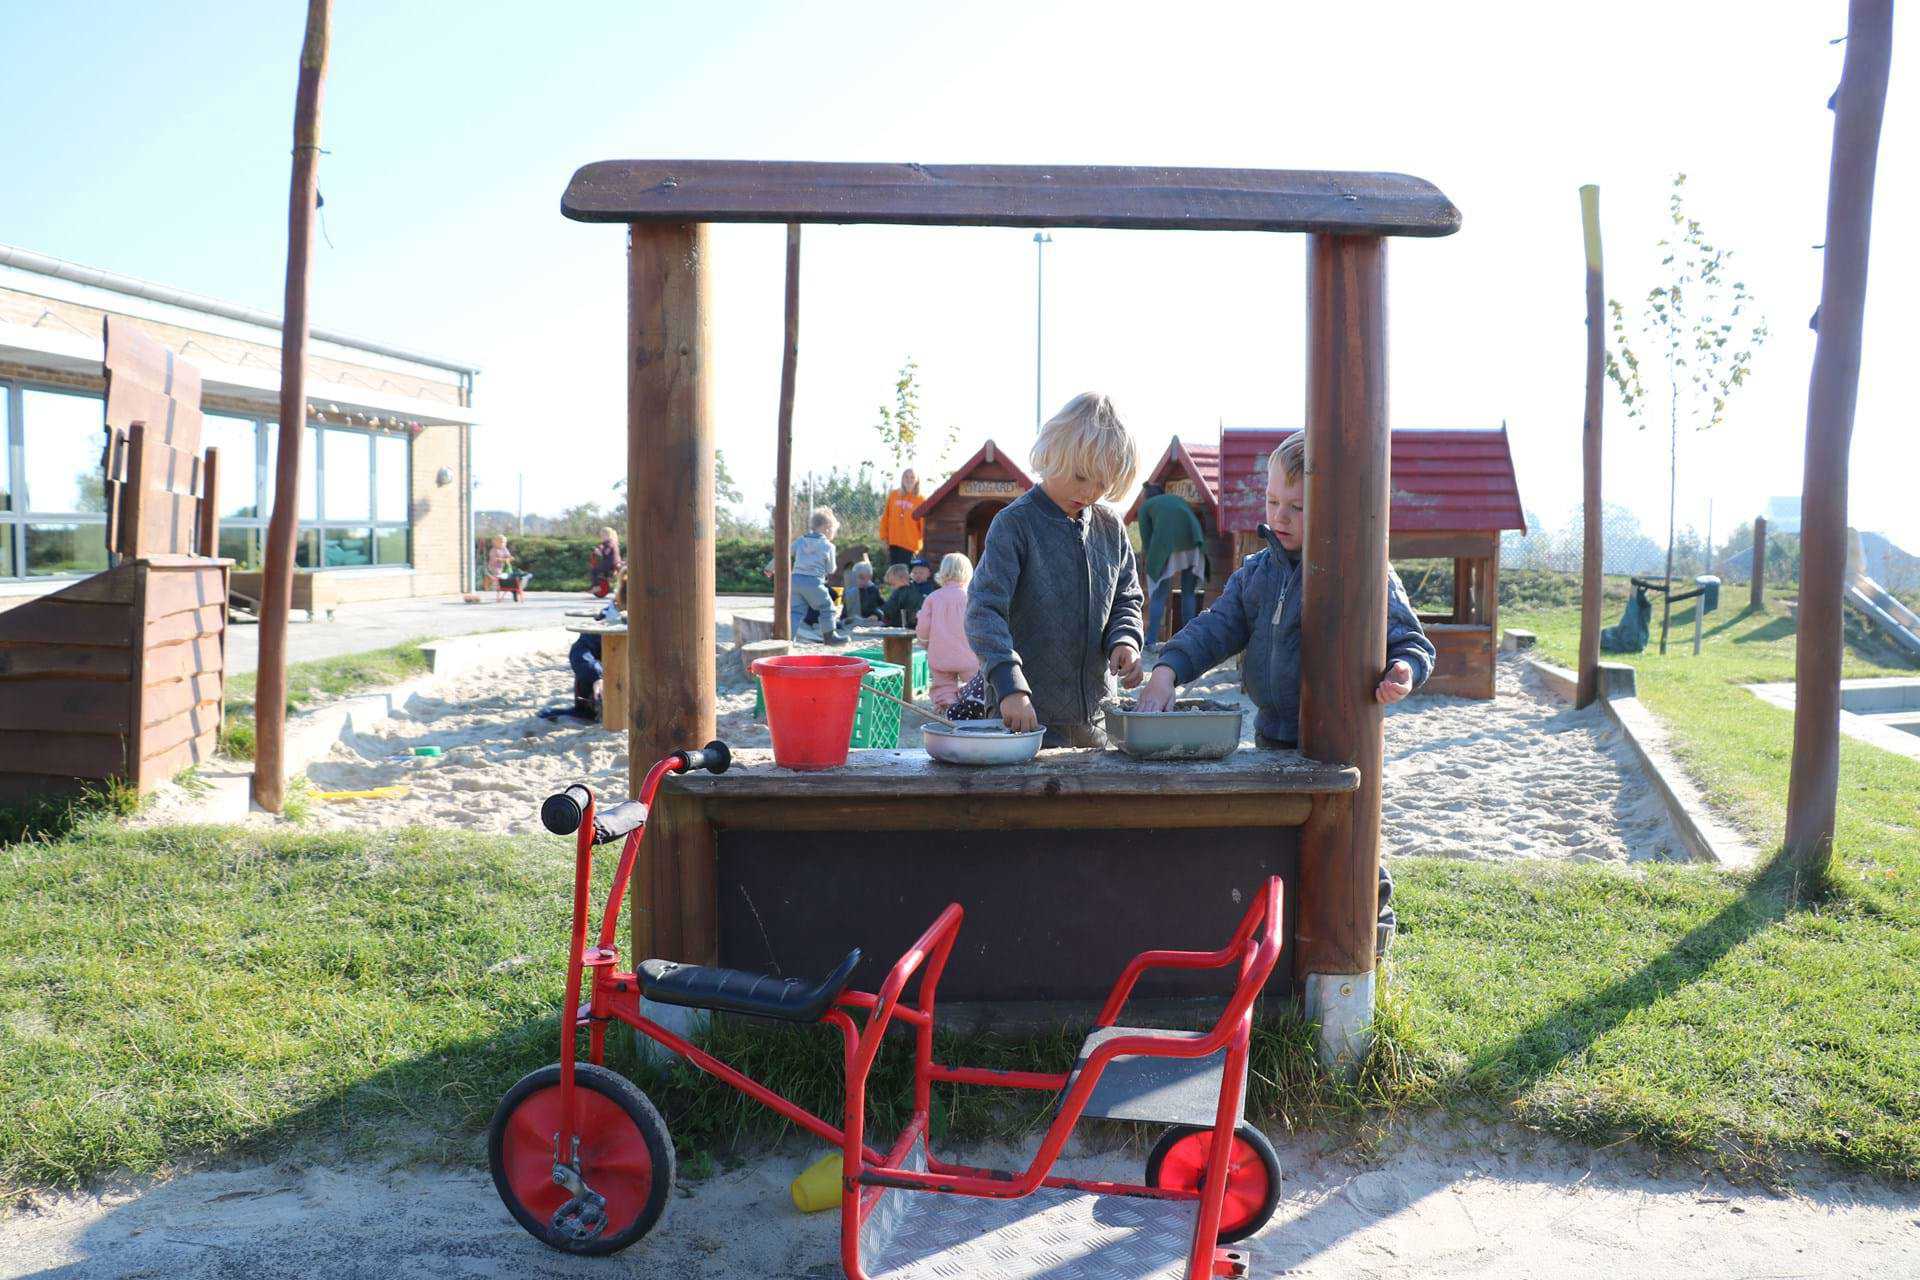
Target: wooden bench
313 592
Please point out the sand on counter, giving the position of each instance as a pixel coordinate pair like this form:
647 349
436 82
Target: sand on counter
1494 1203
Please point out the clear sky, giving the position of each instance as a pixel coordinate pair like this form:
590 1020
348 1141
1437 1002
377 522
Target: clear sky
153 141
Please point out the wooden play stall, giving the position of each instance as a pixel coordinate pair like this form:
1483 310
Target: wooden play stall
1191 473
1068 838
121 675
1454 492
958 512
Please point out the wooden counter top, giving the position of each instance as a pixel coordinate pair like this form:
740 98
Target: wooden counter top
905 774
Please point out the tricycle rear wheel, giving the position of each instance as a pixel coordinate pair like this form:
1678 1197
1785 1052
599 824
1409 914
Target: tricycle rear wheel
1179 1162
625 1155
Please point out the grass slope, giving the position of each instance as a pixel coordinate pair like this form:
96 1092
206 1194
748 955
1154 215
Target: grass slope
321 678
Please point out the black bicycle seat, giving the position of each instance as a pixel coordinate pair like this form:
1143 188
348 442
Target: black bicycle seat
699 986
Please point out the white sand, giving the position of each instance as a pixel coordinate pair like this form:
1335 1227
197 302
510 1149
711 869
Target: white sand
1501 1204
1521 776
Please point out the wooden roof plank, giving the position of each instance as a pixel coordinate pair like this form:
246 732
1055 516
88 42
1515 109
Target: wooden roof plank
1108 196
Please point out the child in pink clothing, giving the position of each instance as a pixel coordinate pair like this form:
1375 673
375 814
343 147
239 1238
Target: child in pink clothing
943 626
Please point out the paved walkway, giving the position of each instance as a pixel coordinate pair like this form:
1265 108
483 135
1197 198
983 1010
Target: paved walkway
357 628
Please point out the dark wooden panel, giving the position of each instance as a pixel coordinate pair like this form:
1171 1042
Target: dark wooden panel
171 591
170 420
1158 811
20 660
165 467
157 769
1053 915
1463 662
65 705
115 586
49 620
178 661
1139 198
156 739
1421 544
164 701
67 755
206 621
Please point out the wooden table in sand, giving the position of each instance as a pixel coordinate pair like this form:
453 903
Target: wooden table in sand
1067 866
896 641
613 665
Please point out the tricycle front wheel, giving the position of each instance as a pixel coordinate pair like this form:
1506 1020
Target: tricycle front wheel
1179 1162
625 1157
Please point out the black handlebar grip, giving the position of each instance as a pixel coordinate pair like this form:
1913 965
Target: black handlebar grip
562 811
714 758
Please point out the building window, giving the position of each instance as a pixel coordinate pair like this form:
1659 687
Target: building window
355 488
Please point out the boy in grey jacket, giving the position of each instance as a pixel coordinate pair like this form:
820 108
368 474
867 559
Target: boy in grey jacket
1054 608
1258 614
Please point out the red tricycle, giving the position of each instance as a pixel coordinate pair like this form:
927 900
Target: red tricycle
583 1160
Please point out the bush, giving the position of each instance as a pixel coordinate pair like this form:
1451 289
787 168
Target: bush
560 563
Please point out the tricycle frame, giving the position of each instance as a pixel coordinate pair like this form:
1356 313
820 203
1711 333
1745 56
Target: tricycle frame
615 995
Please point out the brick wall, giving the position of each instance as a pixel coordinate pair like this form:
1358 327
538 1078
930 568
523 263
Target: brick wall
439 522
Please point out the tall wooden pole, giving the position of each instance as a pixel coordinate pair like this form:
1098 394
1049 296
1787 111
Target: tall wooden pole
270 693
670 628
1343 641
1757 589
783 446
1813 785
1590 560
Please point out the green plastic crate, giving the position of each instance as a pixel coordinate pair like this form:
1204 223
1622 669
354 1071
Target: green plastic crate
876 722
922 676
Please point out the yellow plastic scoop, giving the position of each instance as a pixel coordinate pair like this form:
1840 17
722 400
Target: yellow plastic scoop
374 793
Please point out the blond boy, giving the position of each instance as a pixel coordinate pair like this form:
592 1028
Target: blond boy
1053 612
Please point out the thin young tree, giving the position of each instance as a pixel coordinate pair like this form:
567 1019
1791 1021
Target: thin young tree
899 427
1699 331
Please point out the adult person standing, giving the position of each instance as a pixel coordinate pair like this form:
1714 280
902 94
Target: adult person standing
1170 547
902 531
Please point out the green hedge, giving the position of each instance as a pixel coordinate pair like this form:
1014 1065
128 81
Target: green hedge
560 564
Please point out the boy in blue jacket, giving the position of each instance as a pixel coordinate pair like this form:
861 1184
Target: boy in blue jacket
1258 614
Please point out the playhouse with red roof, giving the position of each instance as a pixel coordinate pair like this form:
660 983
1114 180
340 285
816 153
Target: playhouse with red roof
1453 493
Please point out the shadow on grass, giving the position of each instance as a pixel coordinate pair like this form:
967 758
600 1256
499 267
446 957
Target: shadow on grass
1779 629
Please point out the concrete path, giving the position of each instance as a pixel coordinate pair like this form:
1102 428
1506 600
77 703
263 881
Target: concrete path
357 628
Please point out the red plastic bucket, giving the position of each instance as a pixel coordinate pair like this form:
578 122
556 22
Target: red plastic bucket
811 699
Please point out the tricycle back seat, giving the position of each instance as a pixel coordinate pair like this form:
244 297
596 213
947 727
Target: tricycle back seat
1155 1090
700 986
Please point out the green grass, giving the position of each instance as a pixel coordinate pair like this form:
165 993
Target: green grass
177 993
180 992
322 679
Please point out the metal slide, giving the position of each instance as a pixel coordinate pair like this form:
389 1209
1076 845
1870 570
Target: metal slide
1900 623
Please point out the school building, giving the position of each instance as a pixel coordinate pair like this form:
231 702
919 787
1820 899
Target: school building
385 504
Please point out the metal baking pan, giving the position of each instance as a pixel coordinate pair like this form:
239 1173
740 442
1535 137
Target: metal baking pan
979 742
1192 730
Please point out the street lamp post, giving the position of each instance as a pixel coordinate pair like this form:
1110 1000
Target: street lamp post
1040 242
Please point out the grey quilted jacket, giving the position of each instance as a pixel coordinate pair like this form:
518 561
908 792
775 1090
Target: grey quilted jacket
1052 597
1259 612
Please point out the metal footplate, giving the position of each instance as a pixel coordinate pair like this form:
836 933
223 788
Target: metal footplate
1053 1234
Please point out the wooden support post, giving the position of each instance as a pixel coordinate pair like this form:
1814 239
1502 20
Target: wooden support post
276 592
1813 785
1343 641
207 542
1587 687
670 630
1757 589
783 446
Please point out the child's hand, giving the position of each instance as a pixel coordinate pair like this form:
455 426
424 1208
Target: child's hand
1124 662
1158 695
1016 712
1397 685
